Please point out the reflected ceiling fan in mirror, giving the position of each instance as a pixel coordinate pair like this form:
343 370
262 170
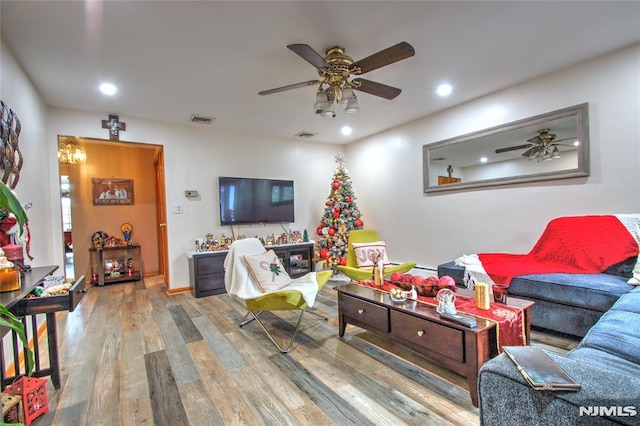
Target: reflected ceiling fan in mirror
336 70
543 146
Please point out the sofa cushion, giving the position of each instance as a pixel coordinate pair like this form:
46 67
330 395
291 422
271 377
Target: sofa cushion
623 269
616 333
592 291
506 399
629 302
605 360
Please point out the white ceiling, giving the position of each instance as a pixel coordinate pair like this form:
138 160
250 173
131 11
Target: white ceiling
172 59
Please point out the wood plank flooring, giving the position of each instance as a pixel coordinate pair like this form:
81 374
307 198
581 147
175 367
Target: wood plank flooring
132 355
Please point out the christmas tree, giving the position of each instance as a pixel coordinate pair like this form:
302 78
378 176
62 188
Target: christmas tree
341 215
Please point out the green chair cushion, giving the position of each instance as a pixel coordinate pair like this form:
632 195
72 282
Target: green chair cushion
285 300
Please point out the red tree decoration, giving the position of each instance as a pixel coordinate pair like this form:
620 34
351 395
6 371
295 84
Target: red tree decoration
341 215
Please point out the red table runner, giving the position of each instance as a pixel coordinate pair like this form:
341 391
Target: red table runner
509 320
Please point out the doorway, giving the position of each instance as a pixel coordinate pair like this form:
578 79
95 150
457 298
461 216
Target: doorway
67 225
82 216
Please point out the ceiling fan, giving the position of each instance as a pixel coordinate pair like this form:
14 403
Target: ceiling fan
543 146
335 70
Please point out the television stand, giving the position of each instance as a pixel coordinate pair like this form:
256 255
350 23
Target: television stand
206 268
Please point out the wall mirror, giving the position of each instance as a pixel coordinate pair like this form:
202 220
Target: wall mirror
553 145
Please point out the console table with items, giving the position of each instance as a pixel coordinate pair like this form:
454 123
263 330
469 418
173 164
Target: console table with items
206 268
22 307
115 264
418 327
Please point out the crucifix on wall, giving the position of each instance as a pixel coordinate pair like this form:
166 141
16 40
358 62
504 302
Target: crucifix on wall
114 126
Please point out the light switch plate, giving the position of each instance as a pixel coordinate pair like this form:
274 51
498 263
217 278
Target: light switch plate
177 209
191 194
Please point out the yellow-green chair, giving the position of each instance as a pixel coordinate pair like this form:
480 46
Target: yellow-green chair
239 284
351 269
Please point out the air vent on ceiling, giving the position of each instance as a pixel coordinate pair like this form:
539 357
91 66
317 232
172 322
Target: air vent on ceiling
200 119
438 159
305 135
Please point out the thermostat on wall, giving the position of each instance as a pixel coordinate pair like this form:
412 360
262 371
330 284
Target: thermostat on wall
191 194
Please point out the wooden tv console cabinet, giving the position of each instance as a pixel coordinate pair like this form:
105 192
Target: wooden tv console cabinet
418 327
206 269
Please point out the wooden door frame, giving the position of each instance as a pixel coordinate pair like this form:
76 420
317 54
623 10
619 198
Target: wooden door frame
159 172
161 215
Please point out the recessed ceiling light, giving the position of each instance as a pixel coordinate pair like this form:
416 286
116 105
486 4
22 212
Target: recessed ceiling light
346 130
576 143
484 159
108 89
444 89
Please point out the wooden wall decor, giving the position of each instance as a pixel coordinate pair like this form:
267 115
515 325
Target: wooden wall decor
114 125
10 155
112 192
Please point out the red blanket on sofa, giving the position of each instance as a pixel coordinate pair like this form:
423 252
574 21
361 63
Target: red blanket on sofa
573 244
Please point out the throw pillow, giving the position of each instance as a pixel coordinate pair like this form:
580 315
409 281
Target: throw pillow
267 271
366 252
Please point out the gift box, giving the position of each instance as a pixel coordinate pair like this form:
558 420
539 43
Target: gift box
33 391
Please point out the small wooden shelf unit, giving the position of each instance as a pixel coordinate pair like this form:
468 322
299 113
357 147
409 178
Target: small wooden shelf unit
129 264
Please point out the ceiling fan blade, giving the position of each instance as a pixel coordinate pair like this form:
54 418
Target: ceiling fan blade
512 148
400 51
531 152
565 139
535 140
377 89
289 87
307 53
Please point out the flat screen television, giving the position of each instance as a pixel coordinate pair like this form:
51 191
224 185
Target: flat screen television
251 201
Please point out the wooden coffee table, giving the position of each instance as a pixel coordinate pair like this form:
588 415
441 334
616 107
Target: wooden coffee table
418 327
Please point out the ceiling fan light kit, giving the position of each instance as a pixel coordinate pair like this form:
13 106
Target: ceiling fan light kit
336 69
543 146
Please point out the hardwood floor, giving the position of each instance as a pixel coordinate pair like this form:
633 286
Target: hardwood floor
132 355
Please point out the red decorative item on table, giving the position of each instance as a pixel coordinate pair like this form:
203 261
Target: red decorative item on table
425 286
34 396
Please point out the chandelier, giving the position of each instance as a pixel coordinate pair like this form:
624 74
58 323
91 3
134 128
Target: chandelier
70 153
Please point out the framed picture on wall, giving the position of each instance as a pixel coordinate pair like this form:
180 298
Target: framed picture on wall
112 191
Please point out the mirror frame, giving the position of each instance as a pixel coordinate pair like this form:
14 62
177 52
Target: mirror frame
581 112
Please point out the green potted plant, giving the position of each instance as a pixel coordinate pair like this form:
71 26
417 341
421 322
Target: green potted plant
10 204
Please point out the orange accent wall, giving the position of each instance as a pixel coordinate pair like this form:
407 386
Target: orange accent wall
114 160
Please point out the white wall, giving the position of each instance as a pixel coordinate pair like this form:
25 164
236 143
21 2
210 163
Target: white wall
194 158
19 94
387 168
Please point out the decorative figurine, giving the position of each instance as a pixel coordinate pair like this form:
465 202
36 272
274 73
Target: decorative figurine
126 229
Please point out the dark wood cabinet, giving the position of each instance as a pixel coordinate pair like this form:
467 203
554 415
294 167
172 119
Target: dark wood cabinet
297 259
206 273
206 269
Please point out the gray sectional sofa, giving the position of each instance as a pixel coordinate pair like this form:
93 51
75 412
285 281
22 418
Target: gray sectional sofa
606 363
565 303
